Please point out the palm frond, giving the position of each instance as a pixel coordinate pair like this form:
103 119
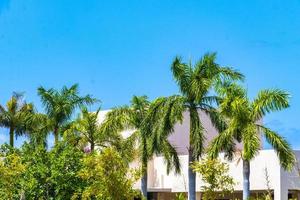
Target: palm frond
218 121
251 142
270 100
60 105
228 73
171 157
286 156
197 137
224 142
117 120
171 113
182 74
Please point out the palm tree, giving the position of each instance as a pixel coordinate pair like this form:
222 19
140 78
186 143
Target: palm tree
90 131
134 117
37 128
243 118
14 116
60 105
195 82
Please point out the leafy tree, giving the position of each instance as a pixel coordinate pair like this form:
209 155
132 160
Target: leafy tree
14 116
214 174
134 117
11 172
243 119
36 181
60 105
195 82
108 177
52 174
65 165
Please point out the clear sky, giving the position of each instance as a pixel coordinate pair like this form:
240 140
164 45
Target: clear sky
115 49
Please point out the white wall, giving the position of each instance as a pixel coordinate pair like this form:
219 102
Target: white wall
266 159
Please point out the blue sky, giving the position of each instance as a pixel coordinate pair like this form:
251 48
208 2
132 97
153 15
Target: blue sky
115 49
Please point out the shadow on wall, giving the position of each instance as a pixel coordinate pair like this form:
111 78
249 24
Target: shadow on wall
4 4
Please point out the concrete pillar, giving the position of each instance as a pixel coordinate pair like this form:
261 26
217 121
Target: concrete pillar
281 194
298 195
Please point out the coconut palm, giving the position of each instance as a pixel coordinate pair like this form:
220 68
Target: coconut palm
243 118
38 126
91 132
60 105
195 83
14 116
134 117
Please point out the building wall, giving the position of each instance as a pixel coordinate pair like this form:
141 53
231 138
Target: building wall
180 138
265 163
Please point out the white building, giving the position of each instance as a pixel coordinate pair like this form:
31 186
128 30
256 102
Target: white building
163 186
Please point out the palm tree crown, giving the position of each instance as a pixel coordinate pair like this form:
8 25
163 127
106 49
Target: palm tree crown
135 117
194 82
244 123
60 105
91 132
243 118
15 115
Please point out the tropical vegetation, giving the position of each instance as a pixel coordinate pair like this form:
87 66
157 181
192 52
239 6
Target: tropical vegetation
93 151
215 175
195 83
134 117
244 126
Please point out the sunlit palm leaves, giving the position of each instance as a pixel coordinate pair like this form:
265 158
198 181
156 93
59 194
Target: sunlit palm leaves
136 117
15 115
195 82
60 105
91 132
244 123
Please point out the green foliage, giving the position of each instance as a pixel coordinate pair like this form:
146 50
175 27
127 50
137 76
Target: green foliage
195 81
15 115
66 172
214 174
180 196
38 127
11 173
52 174
130 117
65 165
90 132
243 120
108 177
60 105
137 117
36 182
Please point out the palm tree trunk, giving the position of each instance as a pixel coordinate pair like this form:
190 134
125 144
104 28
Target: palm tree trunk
56 137
192 178
144 184
11 136
246 176
92 146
